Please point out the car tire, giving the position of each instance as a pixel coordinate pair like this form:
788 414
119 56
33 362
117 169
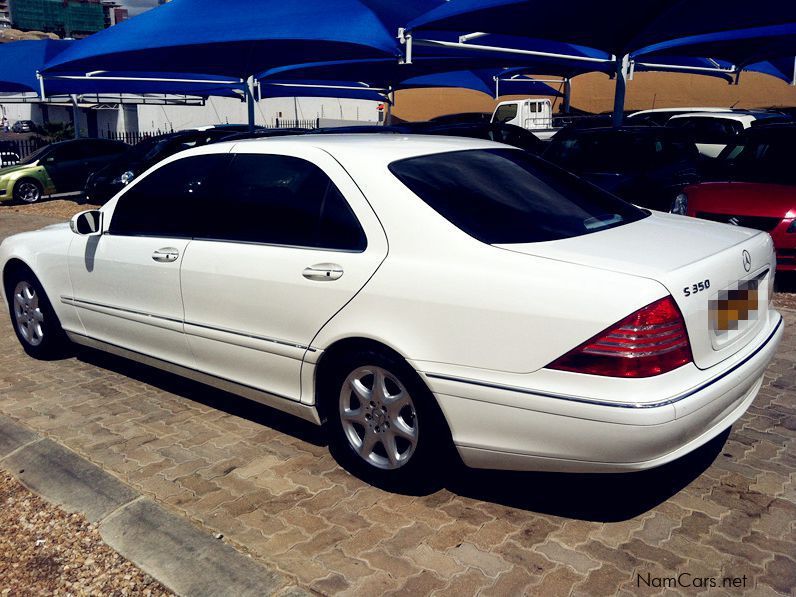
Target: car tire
367 425
32 316
27 190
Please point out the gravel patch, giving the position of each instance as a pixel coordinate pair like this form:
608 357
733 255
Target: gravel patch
56 208
47 551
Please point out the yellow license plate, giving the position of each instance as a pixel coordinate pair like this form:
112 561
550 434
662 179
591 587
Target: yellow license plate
734 306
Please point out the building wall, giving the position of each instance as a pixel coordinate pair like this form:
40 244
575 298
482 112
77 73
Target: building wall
233 111
595 93
65 17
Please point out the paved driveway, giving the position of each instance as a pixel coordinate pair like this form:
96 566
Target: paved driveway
266 482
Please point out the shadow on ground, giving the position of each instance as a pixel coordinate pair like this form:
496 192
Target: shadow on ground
594 497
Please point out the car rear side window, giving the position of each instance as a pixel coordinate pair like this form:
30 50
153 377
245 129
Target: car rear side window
172 201
504 196
283 200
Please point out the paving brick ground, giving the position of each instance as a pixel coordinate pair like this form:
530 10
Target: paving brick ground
267 483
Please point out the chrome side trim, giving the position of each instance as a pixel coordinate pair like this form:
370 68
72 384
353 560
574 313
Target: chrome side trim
74 302
632 405
282 403
67 300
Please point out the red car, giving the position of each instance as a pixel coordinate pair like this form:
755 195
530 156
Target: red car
761 192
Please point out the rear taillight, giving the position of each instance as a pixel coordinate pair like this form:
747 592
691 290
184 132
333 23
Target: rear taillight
652 341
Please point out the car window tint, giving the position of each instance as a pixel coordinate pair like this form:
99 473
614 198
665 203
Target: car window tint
172 200
283 200
502 196
506 113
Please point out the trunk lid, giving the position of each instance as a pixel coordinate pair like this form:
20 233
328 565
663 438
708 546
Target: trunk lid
702 265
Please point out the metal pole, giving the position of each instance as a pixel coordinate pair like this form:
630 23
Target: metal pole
794 71
76 116
250 103
497 87
567 94
621 88
390 100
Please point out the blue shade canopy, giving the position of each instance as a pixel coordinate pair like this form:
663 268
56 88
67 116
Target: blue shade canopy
20 60
740 47
335 89
619 27
782 68
142 84
243 37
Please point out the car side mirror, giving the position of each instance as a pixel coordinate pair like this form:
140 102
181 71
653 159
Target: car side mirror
87 223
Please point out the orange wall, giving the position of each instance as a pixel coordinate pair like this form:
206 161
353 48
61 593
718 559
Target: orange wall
595 92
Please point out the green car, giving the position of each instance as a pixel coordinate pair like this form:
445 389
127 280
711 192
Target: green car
57 170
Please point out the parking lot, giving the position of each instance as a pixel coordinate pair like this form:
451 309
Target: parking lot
266 482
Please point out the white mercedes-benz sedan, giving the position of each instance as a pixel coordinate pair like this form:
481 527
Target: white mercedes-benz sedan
416 294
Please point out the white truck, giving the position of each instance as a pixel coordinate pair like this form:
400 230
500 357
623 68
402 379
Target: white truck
531 114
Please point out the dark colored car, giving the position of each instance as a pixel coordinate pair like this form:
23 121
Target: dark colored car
753 184
58 169
462 118
647 166
24 126
105 183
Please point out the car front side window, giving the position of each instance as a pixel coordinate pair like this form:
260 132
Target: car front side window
171 201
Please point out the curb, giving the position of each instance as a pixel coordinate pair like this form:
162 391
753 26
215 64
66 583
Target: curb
182 557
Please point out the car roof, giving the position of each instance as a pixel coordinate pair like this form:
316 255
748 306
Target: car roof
385 148
679 110
651 131
739 116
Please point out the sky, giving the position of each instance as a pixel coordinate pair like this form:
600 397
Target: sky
138 6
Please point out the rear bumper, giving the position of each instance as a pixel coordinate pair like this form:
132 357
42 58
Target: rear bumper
598 437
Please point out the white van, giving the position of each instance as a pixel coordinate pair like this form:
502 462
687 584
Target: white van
530 114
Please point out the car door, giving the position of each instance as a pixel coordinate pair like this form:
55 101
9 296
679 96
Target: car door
126 282
290 241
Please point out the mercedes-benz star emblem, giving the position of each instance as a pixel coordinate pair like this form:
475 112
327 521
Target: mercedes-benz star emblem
747 261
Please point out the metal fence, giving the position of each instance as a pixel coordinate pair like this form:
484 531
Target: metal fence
13 150
133 137
292 123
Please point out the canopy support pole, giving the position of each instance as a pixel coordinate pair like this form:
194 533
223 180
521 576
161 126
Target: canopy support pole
76 116
42 94
567 94
390 100
622 65
248 88
497 87
793 82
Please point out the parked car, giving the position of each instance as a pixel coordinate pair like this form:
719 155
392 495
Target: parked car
648 166
713 131
754 186
660 116
106 182
59 169
23 126
501 133
8 158
462 118
520 315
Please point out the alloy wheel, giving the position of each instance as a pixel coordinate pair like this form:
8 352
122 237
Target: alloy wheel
28 314
378 417
28 192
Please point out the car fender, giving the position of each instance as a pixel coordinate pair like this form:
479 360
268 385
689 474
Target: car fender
37 173
45 253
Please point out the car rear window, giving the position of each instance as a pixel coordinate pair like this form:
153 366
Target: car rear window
505 196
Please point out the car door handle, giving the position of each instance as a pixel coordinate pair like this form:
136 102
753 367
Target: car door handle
167 255
323 272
